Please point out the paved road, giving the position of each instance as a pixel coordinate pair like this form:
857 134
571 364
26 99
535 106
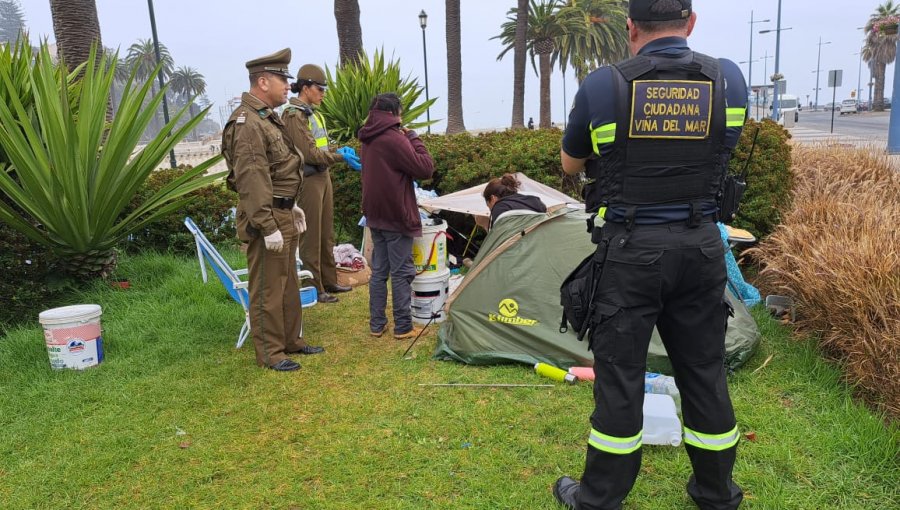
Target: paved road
868 125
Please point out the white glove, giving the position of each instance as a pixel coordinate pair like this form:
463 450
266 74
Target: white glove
274 241
299 220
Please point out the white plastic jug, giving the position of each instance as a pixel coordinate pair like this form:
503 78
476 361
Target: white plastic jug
661 423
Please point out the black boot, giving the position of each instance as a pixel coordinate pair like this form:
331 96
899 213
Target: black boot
566 492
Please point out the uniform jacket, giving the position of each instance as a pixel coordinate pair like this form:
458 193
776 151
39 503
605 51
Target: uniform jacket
296 122
390 161
261 165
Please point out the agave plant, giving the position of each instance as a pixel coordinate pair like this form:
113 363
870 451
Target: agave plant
352 87
69 173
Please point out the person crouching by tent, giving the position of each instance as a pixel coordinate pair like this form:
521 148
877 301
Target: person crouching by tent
502 195
392 156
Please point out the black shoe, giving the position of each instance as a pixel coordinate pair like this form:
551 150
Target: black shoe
285 365
337 289
327 298
566 492
308 349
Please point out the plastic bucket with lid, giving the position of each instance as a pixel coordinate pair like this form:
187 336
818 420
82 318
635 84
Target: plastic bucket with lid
73 336
430 250
429 293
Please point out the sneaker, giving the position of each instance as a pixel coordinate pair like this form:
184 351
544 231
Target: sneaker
377 334
412 333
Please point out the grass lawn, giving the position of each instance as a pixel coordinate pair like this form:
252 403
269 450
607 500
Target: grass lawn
175 417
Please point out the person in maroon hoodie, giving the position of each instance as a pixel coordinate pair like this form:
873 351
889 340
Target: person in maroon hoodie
392 156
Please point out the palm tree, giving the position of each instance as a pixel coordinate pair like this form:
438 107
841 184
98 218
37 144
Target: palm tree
519 48
141 57
346 14
188 83
455 122
76 28
603 40
880 50
548 22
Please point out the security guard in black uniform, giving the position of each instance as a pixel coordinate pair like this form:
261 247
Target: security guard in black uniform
656 132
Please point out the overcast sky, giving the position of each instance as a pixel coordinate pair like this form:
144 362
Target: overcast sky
218 36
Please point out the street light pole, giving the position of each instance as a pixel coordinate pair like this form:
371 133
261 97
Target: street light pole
818 64
859 77
778 30
776 103
750 60
423 22
162 83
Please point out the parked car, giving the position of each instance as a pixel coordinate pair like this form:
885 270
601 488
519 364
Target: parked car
848 106
832 107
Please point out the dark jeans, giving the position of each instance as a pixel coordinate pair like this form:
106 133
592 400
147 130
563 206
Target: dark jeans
391 257
673 277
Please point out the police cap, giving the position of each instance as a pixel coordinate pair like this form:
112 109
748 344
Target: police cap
276 63
313 73
640 10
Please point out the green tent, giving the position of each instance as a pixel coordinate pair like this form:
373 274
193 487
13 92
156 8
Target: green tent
507 308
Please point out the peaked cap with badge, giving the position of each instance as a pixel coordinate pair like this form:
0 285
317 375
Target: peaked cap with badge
276 63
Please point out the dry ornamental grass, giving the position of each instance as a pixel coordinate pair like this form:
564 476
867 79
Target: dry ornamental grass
837 253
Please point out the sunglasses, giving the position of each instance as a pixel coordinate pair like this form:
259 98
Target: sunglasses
321 88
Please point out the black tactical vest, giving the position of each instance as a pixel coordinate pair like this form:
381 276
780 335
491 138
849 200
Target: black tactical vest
670 131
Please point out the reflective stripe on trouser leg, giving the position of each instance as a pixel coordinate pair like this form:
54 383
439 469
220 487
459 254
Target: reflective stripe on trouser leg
615 445
712 442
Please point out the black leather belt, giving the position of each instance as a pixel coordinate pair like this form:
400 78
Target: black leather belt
283 203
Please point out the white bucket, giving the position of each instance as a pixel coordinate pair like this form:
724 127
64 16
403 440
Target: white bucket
73 336
429 293
430 250
661 423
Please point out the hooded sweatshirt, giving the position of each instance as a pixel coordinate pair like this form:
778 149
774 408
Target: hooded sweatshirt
390 161
517 201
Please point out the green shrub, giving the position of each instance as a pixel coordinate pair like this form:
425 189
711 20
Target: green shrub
769 177
210 207
352 88
466 160
26 270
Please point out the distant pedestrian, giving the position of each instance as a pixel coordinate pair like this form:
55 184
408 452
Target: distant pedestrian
530 123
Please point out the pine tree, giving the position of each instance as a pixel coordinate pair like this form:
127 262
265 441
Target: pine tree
12 21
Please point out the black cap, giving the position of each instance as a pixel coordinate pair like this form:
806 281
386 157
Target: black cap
640 10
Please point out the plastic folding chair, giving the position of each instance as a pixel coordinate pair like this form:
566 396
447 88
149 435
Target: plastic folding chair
232 281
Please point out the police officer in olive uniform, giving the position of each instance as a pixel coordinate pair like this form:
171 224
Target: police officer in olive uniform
656 132
266 173
305 128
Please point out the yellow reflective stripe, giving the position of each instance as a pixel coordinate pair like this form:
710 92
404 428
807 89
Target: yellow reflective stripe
317 127
603 134
712 442
734 117
602 212
616 445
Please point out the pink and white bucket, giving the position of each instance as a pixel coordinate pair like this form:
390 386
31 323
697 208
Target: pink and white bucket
73 336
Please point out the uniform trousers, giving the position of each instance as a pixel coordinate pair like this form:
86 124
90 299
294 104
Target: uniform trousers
276 321
671 276
317 243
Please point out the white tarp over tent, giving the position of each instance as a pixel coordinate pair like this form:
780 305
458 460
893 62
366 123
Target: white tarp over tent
471 201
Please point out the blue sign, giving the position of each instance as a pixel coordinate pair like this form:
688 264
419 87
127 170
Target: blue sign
671 109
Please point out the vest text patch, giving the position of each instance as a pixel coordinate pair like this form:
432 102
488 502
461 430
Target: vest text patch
671 109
